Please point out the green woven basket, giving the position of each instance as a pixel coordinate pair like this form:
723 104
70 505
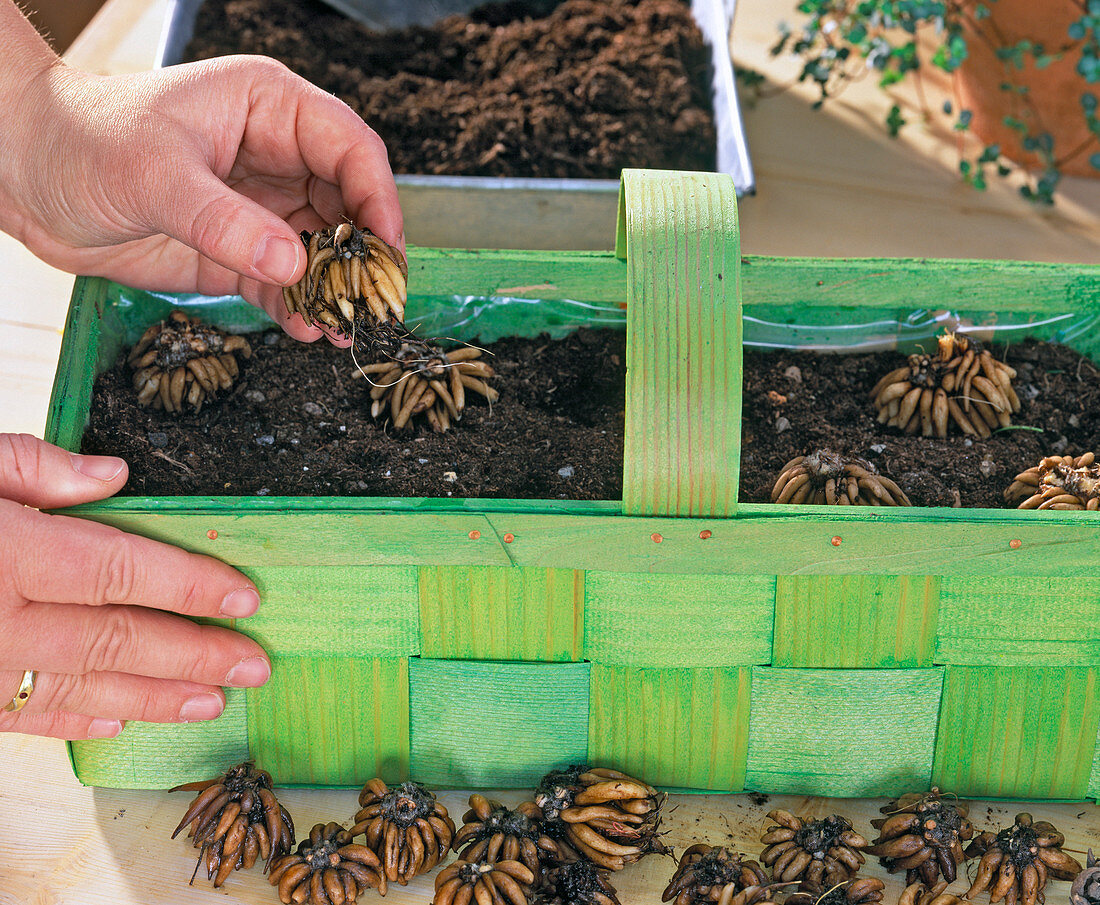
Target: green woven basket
704 644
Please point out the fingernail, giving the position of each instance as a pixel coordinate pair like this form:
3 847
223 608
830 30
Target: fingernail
201 707
241 603
249 673
104 728
277 258
102 468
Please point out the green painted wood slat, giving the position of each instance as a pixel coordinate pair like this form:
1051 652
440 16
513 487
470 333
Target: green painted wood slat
332 721
71 395
683 349
485 724
676 727
818 540
1018 286
647 620
855 621
1021 621
901 541
162 755
492 613
334 538
842 732
1017 732
327 612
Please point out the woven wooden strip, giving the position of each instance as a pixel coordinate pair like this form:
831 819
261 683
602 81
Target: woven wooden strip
901 541
353 611
492 613
585 276
332 721
162 755
674 727
837 283
854 621
71 397
640 619
842 732
683 353
496 725
1021 621
338 537
1017 732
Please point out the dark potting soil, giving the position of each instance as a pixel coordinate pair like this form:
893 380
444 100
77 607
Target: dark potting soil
296 423
795 402
580 88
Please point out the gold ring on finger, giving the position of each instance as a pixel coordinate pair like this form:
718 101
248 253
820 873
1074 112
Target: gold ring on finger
26 688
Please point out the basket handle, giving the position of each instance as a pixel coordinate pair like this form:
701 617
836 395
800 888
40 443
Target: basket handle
678 233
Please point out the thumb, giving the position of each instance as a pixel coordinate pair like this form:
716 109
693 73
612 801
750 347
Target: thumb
233 230
36 473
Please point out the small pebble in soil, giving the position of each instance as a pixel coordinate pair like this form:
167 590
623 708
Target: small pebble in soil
263 491
986 467
272 337
878 448
450 477
566 472
312 408
255 396
265 440
1073 421
782 424
422 461
1059 446
159 439
793 374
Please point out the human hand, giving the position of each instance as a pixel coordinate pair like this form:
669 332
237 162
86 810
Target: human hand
195 178
93 609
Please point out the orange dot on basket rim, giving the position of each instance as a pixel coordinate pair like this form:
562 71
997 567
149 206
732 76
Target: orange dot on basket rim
656 538
475 534
1014 543
836 541
212 534
509 537
704 534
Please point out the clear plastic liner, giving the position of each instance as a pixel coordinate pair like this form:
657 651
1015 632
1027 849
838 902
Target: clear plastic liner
466 318
907 331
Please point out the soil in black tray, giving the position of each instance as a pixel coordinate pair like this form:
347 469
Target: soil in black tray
577 89
795 402
298 424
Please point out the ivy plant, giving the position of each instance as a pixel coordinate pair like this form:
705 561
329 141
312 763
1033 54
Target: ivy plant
842 40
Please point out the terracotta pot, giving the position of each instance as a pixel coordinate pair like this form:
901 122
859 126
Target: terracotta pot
1053 99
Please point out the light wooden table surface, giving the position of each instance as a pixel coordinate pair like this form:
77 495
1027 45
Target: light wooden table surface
830 183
